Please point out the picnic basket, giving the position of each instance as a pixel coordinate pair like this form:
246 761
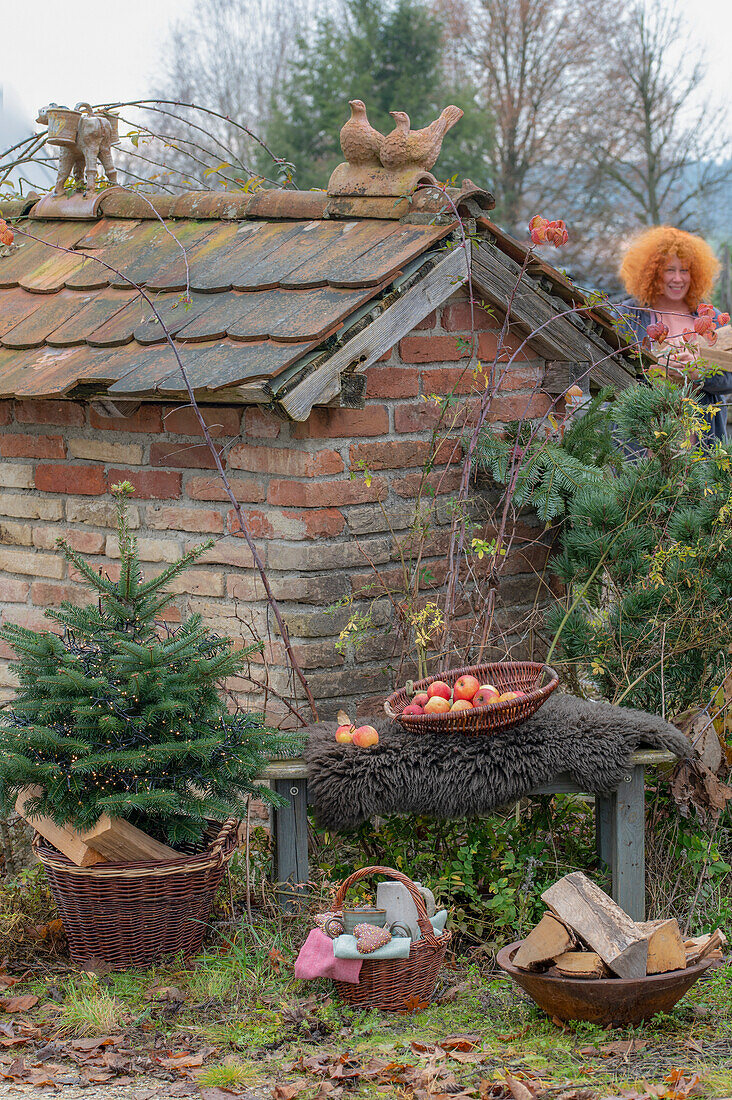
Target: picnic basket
396 985
537 680
131 914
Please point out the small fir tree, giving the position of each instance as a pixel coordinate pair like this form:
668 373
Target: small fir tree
123 716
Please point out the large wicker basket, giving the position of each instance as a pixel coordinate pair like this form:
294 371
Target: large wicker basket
505 675
131 914
396 985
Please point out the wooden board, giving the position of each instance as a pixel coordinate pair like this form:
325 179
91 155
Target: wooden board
371 342
67 840
120 842
600 922
665 946
549 939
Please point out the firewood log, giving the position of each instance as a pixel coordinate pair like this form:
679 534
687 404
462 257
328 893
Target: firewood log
68 841
550 938
700 947
600 922
665 946
120 842
581 964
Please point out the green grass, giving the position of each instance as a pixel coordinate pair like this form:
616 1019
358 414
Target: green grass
90 1010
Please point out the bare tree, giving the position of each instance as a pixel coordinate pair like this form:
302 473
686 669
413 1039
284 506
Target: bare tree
540 67
658 149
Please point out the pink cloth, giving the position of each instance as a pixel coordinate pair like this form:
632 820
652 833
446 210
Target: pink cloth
316 960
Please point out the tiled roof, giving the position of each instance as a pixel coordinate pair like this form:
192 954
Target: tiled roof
263 293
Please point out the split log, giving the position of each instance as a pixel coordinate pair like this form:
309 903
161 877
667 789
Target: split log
701 947
600 922
665 946
550 938
118 841
581 964
68 841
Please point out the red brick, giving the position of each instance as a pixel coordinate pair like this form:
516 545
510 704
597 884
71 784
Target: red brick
186 456
148 418
343 423
432 349
322 494
518 377
389 456
439 481
321 522
219 421
31 618
149 484
427 415
13 591
520 407
456 318
45 594
392 382
86 542
488 347
452 380
32 446
246 490
86 481
6 412
429 321
260 424
312 524
164 518
279 460
68 413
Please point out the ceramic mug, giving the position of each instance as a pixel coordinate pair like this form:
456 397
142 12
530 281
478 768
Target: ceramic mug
337 926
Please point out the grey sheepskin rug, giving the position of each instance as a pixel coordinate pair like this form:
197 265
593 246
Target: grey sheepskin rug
449 775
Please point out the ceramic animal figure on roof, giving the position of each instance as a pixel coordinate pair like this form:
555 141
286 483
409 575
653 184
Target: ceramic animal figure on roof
360 142
82 137
405 148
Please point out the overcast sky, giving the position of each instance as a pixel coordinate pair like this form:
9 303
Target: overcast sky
110 49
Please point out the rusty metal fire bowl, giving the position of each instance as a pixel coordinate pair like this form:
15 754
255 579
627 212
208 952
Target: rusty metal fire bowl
606 1001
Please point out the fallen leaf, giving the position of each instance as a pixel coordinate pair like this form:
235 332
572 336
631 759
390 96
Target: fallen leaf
518 1090
287 1092
414 1004
185 1060
624 1047
19 1004
92 1044
471 1058
165 993
459 1042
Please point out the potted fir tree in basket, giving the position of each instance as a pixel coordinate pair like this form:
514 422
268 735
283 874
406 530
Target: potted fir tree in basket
118 736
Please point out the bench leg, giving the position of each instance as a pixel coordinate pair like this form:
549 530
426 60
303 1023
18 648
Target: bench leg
604 838
291 842
629 844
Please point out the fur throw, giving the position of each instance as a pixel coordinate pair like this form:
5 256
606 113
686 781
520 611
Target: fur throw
450 775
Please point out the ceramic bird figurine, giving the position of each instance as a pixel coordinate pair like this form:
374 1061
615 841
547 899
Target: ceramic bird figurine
405 148
360 142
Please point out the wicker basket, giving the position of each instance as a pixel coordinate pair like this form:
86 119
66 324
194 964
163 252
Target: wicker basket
396 985
131 914
505 675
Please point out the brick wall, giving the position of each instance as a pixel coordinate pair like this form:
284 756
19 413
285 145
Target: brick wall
317 522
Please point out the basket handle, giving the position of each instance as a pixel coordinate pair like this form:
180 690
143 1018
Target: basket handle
425 924
222 840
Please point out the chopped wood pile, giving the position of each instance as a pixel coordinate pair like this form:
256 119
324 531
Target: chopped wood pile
111 840
585 934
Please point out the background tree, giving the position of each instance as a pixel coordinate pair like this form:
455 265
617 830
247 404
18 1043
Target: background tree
390 55
657 148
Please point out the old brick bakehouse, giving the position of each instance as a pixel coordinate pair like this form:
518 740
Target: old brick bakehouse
317 328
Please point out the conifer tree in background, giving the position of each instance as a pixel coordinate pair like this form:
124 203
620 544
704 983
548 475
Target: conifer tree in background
119 716
647 558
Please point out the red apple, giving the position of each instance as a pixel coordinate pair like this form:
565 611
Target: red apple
461 704
440 688
365 737
508 695
344 735
413 709
420 699
466 687
437 705
485 694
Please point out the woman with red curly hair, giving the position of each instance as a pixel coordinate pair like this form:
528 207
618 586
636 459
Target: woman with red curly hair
669 273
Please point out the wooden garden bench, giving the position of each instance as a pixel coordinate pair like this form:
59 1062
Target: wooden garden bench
619 827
